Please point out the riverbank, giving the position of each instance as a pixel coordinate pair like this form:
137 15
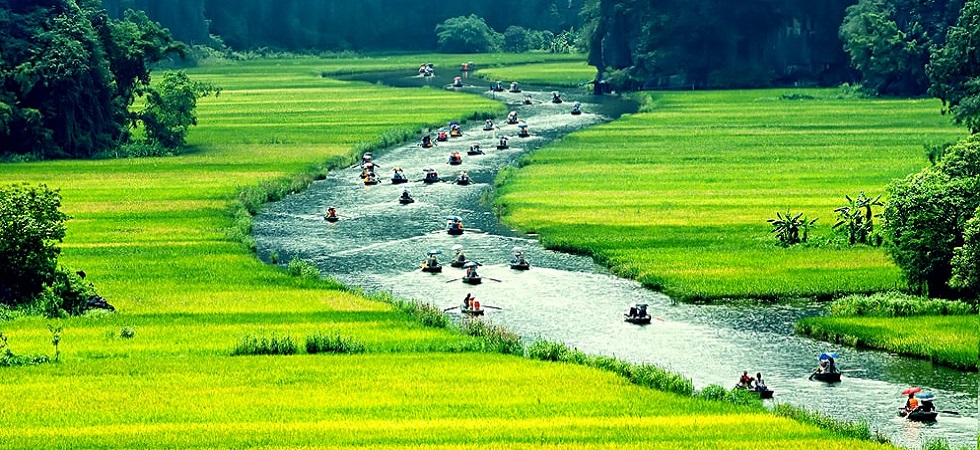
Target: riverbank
678 197
940 331
152 235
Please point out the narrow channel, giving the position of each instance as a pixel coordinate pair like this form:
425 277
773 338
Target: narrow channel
378 245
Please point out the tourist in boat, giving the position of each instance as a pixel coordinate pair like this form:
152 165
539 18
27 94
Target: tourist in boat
331 213
632 311
514 87
460 257
457 82
463 178
577 108
831 365
405 195
555 97
488 125
512 117
454 130
502 143
912 403
745 381
760 384
427 141
467 299
471 272
527 99
523 130
442 136
455 158
366 158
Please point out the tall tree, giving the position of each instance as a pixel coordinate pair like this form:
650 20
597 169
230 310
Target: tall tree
955 69
31 226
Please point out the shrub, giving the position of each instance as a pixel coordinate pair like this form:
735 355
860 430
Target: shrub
425 313
548 351
127 333
894 304
9 359
497 338
712 392
262 345
303 269
322 343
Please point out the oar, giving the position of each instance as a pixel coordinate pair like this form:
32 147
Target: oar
493 279
853 370
956 413
491 307
454 279
449 309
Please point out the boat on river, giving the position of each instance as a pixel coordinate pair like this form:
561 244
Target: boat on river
371 179
637 314
455 159
471 311
476 279
471 276
431 263
454 225
826 377
827 371
918 415
431 176
763 393
519 262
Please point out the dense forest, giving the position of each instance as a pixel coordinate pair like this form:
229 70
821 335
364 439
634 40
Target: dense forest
342 25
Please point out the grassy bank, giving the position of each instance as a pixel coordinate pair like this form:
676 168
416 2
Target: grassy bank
943 332
678 197
568 73
152 234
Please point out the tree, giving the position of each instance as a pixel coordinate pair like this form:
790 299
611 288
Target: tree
927 214
516 39
31 226
169 111
857 217
954 70
892 60
790 229
966 259
466 35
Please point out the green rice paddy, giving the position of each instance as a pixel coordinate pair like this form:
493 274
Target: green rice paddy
567 73
678 197
152 235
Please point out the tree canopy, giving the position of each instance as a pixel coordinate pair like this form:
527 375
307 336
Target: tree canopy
31 226
955 69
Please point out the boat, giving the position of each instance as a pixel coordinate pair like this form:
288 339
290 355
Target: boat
442 136
473 151
473 280
455 159
406 200
826 377
514 87
577 108
431 176
371 180
471 311
519 262
524 265
637 314
763 394
918 415
398 176
331 219
434 269
512 118
555 97
431 263
457 263
454 225
463 181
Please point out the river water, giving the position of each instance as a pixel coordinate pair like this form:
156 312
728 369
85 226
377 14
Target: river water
378 245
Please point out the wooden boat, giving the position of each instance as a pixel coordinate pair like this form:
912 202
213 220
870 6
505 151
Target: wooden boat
462 181
432 269
502 147
473 280
520 265
576 112
455 133
471 311
826 377
767 393
431 178
455 161
370 180
918 415
399 180
332 219
637 320
406 201
455 231
474 152
457 263
523 133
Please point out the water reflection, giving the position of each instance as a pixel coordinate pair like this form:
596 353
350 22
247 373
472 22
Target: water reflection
380 243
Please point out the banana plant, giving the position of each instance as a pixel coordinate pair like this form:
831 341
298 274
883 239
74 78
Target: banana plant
857 217
791 229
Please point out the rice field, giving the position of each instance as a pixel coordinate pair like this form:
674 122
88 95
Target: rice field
678 196
152 235
567 73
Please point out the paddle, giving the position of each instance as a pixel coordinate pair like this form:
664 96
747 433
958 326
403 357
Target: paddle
955 413
493 279
491 307
454 279
853 370
449 309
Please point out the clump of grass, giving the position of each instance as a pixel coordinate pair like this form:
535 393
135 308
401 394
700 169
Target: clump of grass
738 397
263 345
303 269
127 333
497 339
548 351
895 304
858 430
323 343
9 359
426 314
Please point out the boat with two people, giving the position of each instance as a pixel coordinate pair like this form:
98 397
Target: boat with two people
756 385
431 176
576 108
555 97
331 215
512 118
522 130
463 179
528 100
431 263
460 258
827 370
455 130
637 314
471 276
427 142
457 82
515 87
918 407
442 135
370 178
474 149
454 225
496 86
427 70
398 176
519 262
455 158
488 125
502 143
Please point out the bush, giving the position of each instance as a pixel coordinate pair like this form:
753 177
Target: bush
322 343
303 269
262 345
712 392
548 351
9 359
127 333
31 226
497 339
467 35
894 304
426 314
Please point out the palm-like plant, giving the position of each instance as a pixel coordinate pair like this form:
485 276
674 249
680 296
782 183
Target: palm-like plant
857 217
791 229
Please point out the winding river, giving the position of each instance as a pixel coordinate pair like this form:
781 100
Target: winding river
378 245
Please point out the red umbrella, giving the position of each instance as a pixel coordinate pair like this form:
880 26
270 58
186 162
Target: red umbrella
911 390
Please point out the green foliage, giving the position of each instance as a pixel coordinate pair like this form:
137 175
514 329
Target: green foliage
67 294
9 359
426 314
966 259
303 269
548 351
791 229
31 227
335 343
127 332
264 345
891 57
895 304
467 34
169 111
496 338
858 430
858 219
68 76
927 214
954 69
516 39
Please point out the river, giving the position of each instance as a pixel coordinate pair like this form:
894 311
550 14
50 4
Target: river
378 245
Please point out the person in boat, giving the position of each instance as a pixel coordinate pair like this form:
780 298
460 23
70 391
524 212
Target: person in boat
488 125
463 177
432 175
442 136
331 213
427 141
577 108
502 143
512 117
366 158
745 381
514 87
555 97
455 130
831 365
523 130
471 272
405 195
633 311
527 99
457 82
460 256
822 368
432 261
455 157
466 300
912 403
475 148
760 384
